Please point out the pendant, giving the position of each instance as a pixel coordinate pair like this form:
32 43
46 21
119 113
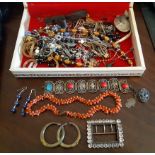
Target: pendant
130 102
143 95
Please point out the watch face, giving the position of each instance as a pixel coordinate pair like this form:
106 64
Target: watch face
122 23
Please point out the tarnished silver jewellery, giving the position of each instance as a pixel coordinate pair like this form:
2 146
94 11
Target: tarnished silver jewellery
104 128
60 135
130 102
143 96
102 85
83 86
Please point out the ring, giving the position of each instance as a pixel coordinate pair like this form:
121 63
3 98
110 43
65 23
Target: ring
75 142
42 135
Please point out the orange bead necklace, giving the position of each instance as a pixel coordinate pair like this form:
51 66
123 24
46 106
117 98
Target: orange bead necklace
93 102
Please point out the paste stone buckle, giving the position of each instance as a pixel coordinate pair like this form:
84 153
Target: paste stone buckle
107 127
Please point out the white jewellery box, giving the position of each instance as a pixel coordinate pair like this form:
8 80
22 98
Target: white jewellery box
96 9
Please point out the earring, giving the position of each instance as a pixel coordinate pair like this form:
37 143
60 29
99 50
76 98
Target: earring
23 113
18 97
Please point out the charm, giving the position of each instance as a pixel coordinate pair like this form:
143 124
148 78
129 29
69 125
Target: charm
143 95
130 102
59 87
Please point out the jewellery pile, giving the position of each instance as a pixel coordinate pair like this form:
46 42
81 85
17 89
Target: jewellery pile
115 129
60 135
82 86
95 108
83 42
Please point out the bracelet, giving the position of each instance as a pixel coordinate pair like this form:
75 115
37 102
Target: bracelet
90 113
82 86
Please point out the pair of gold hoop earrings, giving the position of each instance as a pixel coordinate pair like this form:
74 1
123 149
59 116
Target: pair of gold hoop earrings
60 135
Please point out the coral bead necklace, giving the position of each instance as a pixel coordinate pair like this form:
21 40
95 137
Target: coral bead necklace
93 102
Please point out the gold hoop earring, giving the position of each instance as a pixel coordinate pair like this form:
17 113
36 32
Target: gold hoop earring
75 142
61 135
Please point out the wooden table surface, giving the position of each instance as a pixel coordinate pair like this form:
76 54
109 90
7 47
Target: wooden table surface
18 134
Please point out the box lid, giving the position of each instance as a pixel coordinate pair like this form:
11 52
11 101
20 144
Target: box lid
55 8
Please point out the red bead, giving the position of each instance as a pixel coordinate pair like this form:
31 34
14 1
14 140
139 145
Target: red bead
70 85
78 60
103 84
125 86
